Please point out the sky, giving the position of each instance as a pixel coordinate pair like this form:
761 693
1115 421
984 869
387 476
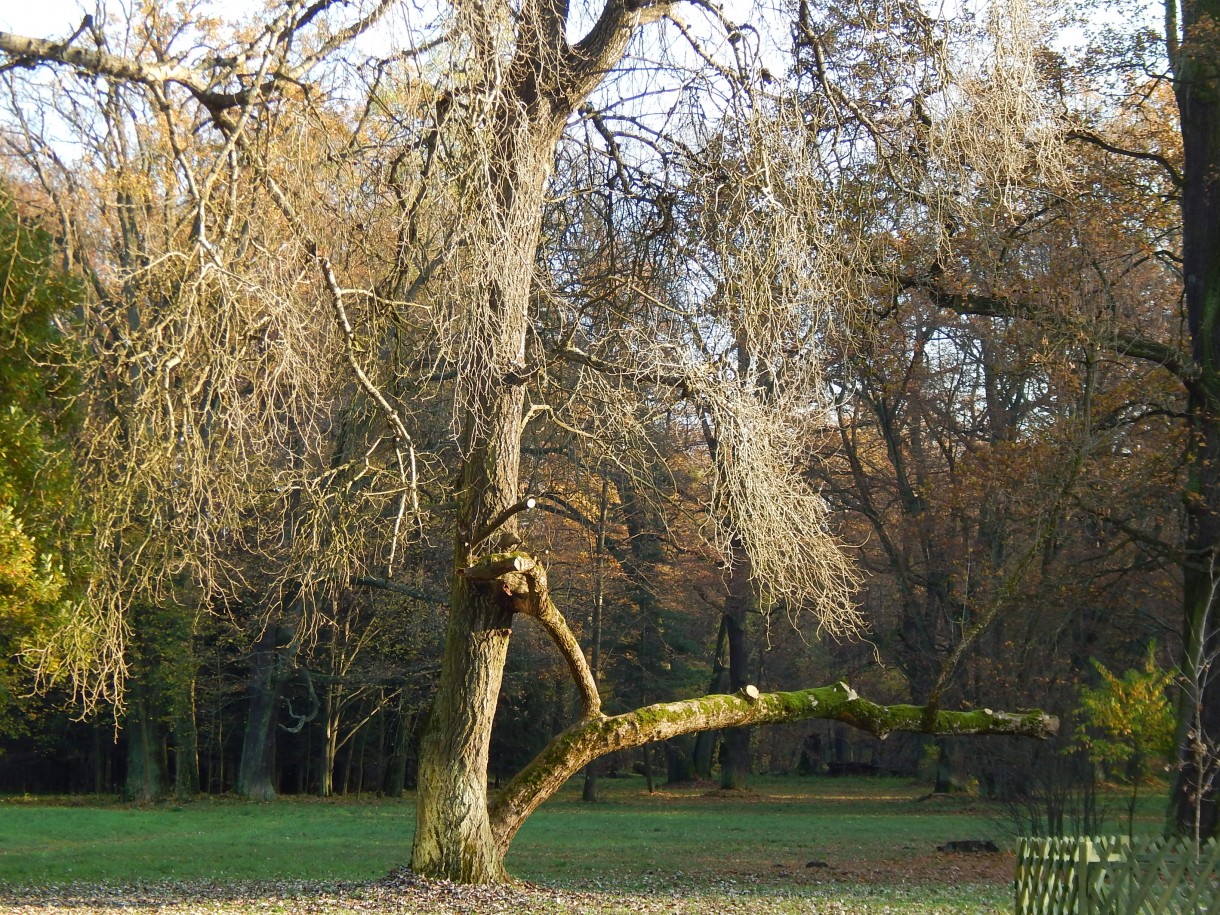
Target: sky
45 18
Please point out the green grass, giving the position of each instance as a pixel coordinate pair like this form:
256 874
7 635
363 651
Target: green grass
204 840
877 838
780 826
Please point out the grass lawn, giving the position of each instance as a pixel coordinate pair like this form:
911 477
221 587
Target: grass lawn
789 845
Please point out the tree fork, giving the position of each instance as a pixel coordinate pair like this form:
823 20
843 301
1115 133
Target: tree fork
521 580
587 740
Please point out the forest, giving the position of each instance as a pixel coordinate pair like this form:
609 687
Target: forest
806 373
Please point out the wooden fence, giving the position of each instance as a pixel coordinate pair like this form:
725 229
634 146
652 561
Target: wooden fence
1117 876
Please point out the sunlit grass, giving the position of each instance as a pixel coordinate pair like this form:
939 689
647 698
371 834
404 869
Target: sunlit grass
204 840
791 844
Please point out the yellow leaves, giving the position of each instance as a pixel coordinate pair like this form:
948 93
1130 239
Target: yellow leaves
27 580
1128 720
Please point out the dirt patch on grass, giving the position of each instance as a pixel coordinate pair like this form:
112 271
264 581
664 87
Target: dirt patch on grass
919 869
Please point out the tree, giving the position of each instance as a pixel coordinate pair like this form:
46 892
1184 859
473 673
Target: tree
1178 170
1128 722
36 299
1196 80
483 137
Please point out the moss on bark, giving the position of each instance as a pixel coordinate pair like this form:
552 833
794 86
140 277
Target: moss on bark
583 742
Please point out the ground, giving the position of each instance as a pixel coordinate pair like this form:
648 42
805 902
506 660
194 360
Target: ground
816 846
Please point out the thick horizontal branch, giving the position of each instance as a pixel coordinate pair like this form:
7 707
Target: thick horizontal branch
26 51
584 742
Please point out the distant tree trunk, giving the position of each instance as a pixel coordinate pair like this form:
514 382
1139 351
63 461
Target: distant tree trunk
255 773
679 767
706 741
643 565
145 735
396 771
588 792
330 743
182 669
944 768
735 766
356 761
186 747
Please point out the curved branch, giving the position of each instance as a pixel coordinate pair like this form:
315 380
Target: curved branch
524 581
580 744
543 609
587 62
386 584
501 519
577 356
1087 136
1123 342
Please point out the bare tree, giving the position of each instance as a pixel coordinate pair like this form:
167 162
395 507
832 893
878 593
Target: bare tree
457 134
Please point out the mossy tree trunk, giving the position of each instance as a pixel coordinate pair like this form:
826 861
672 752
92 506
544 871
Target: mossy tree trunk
546 79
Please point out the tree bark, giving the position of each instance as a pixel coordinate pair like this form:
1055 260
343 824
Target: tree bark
705 741
1197 88
453 836
735 767
396 777
145 745
255 776
546 80
588 792
186 746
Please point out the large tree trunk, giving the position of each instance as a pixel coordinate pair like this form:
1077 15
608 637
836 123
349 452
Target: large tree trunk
453 838
452 835
1195 809
1197 87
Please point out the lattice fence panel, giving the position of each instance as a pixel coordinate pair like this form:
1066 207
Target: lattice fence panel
1115 876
